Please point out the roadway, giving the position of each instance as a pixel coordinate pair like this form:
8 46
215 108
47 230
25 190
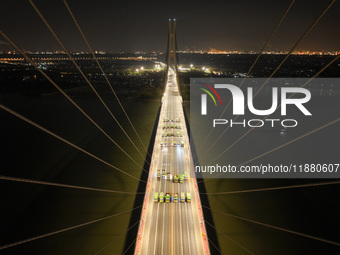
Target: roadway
171 228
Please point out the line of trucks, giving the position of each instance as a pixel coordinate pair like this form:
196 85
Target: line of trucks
166 144
169 134
171 120
178 126
167 198
177 178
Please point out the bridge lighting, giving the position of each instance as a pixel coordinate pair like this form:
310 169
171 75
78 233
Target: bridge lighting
191 65
142 68
203 68
137 70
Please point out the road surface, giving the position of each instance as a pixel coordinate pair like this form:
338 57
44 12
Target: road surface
171 228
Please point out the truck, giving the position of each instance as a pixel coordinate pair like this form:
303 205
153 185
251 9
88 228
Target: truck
182 143
182 197
186 175
163 173
181 178
176 178
188 197
175 198
161 197
168 176
167 197
174 144
155 197
158 174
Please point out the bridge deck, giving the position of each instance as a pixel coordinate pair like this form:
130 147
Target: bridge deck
171 228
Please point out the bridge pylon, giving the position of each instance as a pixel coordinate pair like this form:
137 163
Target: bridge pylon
171 52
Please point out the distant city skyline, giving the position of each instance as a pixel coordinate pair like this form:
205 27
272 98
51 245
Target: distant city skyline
197 51
142 26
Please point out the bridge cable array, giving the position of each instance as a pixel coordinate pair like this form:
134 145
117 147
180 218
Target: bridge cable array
256 60
278 67
238 244
276 148
111 242
215 246
53 184
5 108
305 84
275 227
64 140
128 248
274 188
65 229
107 80
245 134
67 96
86 79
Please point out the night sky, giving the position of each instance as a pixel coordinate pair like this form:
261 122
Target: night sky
142 25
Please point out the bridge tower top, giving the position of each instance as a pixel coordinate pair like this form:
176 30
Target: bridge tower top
171 52
172 44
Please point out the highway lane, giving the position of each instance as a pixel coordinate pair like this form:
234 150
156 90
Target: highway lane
171 228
